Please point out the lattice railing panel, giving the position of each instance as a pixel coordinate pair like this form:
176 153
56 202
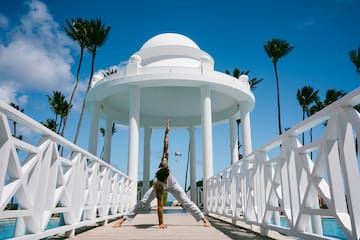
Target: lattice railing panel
47 176
293 182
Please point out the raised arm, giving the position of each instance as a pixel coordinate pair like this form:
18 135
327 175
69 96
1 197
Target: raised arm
161 175
165 157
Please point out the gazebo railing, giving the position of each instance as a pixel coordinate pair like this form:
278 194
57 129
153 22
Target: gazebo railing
290 187
45 177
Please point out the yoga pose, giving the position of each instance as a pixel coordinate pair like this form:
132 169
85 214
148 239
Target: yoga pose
164 181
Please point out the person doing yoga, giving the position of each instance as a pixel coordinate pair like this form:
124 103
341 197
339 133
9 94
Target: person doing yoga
164 181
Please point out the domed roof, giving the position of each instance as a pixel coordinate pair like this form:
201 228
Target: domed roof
170 39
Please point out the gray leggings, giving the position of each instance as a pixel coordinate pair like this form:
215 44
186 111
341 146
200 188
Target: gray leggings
175 190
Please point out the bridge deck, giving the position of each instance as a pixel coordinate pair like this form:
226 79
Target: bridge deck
180 226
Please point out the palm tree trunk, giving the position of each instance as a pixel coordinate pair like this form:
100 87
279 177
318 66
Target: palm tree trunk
102 153
14 123
60 125
73 91
278 97
303 134
83 105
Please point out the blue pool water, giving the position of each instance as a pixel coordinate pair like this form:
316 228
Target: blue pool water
7 228
330 227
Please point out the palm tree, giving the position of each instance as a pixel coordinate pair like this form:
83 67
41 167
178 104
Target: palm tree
109 72
76 30
97 34
60 107
306 96
355 58
50 124
237 73
253 82
276 49
55 102
65 107
333 95
318 105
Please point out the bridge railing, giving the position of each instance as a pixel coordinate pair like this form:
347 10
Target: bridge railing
45 177
288 186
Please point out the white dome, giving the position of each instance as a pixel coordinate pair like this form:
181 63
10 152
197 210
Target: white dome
170 39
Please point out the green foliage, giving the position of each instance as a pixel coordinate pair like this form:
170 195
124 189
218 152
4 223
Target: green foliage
11 206
237 73
333 95
60 107
77 31
109 72
277 48
306 96
113 130
165 197
96 34
357 107
355 58
50 124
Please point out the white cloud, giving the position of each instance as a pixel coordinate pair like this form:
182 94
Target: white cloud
7 94
22 100
4 22
37 55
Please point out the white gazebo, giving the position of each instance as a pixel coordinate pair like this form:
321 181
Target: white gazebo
170 77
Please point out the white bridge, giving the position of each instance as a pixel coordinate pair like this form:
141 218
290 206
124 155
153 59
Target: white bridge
46 175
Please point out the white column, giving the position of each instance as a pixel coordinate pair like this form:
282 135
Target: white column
108 138
246 130
133 161
234 150
192 164
94 128
146 165
207 151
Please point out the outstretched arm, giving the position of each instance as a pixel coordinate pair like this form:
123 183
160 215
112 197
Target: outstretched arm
165 157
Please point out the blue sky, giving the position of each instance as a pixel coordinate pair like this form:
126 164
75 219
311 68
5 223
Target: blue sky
36 57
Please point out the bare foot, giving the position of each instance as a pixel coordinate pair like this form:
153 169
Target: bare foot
206 222
119 223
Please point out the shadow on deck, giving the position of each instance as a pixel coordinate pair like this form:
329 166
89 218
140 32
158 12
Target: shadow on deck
180 226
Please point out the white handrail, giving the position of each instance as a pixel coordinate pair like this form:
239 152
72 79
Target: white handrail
285 178
79 188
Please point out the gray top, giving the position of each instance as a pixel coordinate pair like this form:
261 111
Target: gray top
171 181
